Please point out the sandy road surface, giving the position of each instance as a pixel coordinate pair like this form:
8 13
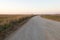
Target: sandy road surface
37 28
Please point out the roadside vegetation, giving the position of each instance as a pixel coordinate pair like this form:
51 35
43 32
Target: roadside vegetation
52 17
9 23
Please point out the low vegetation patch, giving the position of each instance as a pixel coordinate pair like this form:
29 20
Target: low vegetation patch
8 23
52 17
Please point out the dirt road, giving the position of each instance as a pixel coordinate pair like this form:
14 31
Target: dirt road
37 28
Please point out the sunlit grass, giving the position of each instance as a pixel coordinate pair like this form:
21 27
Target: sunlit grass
9 23
52 17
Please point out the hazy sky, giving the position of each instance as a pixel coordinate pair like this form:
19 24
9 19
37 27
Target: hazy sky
29 5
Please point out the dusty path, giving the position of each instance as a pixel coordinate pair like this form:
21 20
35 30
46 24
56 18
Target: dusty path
37 28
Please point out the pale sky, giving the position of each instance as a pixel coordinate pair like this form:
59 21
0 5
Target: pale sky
29 5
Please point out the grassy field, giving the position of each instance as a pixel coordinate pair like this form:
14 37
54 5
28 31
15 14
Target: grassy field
8 23
52 17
